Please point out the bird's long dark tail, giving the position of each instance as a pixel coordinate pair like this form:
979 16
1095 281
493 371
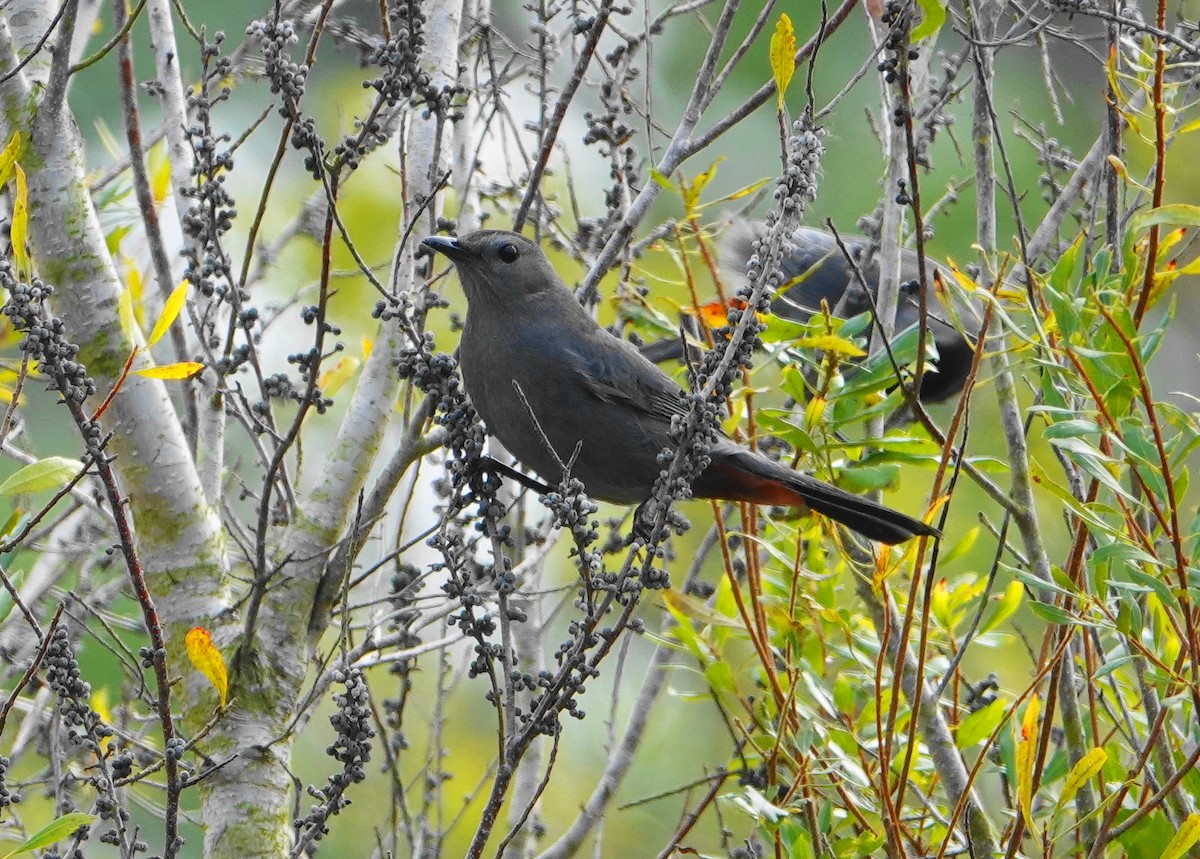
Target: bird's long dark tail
742 475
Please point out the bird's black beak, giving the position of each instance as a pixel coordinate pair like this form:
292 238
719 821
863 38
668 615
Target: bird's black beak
451 247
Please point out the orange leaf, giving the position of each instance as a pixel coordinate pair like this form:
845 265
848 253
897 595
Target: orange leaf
172 372
207 659
715 314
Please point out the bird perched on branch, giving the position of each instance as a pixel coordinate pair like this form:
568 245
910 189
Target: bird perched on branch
818 270
551 384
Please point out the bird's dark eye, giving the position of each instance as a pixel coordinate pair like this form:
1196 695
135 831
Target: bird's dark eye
508 252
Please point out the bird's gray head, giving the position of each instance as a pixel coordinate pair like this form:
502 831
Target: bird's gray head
497 265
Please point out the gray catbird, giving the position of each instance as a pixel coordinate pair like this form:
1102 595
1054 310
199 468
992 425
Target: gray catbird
818 270
589 389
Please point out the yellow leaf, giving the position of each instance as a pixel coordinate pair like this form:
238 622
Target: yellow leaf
338 375
783 57
172 372
1185 838
8 158
691 194
160 172
367 345
831 343
1026 750
207 659
1189 128
939 603
688 606
20 223
814 412
934 15
744 192
1087 767
965 280
137 291
125 313
1009 603
1118 167
103 709
170 311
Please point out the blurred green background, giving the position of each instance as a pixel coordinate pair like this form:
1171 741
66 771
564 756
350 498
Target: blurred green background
687 738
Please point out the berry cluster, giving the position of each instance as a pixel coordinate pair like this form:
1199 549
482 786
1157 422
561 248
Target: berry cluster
400 56
45 336
351 748
7 797
573 510
84 726
45 343
211 212
612 133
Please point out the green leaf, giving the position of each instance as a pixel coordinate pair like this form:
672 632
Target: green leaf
978 726
1054 614
55 830
6 603
860 478
1005 607
1165 595
691 194
49 473
661 179
112 239
775 422
1071 428
1171 215
934 18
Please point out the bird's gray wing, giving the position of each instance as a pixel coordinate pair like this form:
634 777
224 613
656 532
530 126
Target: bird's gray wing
618 374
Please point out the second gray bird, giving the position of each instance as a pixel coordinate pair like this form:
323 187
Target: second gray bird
590 389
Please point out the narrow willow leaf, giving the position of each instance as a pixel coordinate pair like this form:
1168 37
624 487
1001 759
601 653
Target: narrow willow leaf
49 473
1026 751
978 726
172 372
1005 608
19 233
170 312
783 57
8 158
55 830
934 17
1088 766
1185 838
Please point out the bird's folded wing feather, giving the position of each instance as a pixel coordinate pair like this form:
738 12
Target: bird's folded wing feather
621 376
